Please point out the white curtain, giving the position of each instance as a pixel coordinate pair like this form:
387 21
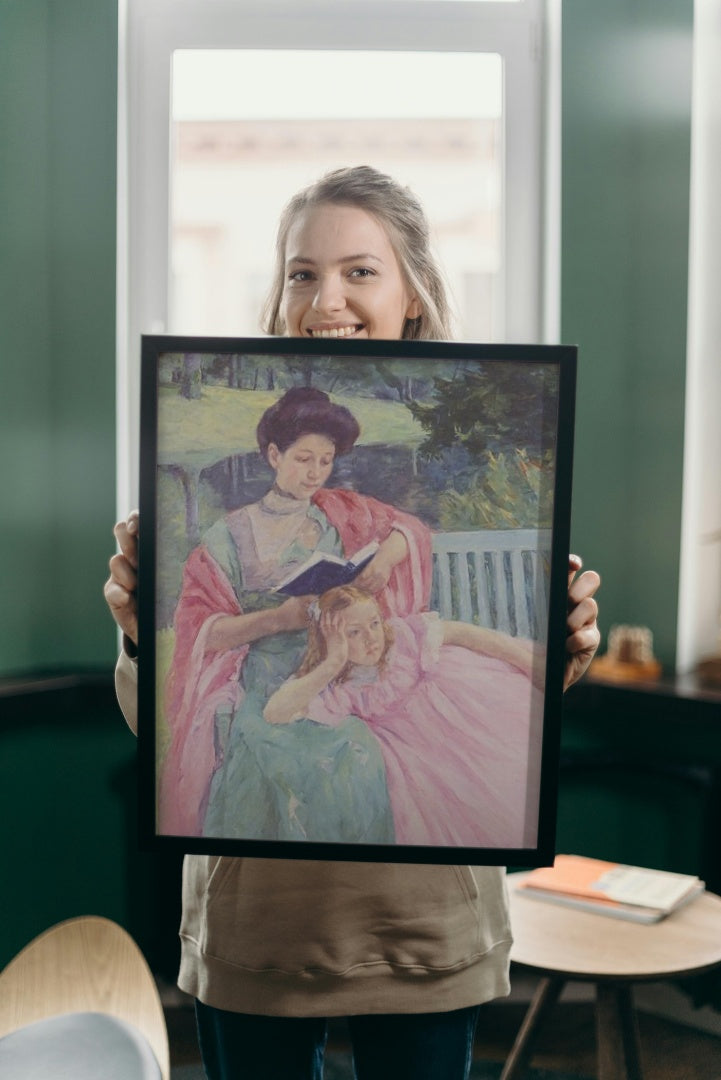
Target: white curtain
700 582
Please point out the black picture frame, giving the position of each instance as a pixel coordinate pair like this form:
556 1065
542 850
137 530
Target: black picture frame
450 434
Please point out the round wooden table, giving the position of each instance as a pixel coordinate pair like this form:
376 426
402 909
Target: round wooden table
562 944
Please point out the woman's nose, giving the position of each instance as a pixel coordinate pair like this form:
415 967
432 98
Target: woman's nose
329 295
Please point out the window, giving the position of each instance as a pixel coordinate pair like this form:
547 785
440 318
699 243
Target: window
227 107
236 157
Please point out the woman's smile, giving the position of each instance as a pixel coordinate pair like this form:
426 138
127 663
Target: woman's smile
342 277
335 331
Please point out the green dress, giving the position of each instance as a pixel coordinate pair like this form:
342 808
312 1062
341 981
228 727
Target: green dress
297 781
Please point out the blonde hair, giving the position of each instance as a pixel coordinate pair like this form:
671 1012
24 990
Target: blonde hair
337 599
402 216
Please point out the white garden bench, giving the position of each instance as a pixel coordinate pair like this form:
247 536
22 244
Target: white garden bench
495 578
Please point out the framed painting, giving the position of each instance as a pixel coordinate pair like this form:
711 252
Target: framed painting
352 597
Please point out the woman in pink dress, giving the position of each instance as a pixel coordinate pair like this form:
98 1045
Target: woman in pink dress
456 708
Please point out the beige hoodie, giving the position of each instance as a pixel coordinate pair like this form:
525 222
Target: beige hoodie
285 937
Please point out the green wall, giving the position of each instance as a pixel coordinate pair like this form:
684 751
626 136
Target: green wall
626 135
67 761
58 73
625 199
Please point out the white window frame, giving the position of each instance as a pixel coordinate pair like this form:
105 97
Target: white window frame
699 597
525 34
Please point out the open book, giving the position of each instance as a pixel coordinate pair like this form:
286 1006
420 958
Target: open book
607 888
324 571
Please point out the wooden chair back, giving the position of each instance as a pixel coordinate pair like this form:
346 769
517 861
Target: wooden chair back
87 964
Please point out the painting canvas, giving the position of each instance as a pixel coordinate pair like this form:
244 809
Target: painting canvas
352 595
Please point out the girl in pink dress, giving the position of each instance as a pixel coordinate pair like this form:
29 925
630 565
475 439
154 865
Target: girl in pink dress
456 708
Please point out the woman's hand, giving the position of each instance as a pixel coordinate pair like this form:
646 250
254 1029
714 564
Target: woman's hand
376 575
583 635
234 631
120 589
293 613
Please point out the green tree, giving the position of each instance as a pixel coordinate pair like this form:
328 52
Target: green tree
408 380
510 491
489 406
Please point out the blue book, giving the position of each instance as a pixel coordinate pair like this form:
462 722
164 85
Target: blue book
323 571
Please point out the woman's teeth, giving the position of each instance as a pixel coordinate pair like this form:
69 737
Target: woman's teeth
336 332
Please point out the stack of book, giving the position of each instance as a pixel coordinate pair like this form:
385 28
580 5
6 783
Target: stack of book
608 888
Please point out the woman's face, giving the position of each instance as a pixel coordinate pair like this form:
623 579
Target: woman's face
304 466
364 633
342 277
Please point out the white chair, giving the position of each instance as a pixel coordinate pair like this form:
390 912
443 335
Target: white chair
496 578
80 1002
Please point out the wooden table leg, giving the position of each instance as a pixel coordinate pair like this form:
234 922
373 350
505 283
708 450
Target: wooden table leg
545 997
617 1033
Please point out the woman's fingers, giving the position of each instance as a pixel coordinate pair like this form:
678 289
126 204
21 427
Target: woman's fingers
582 607
126 534
582 633
123 606
121 587
575 563
123 572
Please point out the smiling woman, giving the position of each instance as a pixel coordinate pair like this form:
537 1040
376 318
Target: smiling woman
353 259
331 289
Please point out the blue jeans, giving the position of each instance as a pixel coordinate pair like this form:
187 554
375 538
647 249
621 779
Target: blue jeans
413 1046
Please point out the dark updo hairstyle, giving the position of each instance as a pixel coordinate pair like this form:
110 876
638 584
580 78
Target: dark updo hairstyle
304 410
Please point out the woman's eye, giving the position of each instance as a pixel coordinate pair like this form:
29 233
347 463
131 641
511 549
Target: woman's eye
300 276
362 272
